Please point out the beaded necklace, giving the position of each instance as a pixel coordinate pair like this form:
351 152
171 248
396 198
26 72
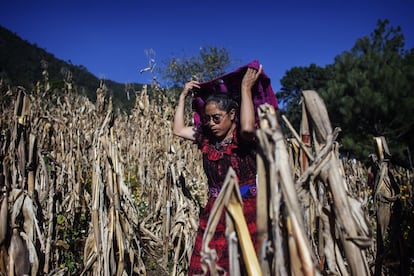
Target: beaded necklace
223 143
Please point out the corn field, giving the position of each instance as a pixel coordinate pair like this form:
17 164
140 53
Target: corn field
89 190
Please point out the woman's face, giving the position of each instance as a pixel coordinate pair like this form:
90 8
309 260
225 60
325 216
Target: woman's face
219 121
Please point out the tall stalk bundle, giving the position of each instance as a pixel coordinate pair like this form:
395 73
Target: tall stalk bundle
312 215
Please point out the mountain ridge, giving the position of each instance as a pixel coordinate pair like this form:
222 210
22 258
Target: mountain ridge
21 65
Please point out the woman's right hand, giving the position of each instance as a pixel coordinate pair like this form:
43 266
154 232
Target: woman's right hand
189 86
179 127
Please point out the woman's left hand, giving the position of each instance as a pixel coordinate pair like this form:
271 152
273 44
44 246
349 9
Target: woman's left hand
250 77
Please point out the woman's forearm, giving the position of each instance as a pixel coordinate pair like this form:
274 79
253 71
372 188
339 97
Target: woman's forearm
179 127
247 112
179 123
247 119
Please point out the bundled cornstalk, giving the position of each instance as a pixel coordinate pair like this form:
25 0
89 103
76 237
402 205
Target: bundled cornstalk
168 187
276 189
312 222
391 252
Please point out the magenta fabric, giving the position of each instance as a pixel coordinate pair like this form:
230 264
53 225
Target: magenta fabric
231 83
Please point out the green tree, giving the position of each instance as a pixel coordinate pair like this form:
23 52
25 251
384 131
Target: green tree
210 63
293 83
371 93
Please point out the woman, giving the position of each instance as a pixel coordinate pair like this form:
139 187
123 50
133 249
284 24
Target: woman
226 139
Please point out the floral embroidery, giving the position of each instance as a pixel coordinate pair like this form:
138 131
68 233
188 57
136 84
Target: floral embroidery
218 158
213 153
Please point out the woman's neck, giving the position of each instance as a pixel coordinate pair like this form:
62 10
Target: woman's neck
229 133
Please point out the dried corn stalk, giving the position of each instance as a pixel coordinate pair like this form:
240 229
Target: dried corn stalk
279 187
320 215
387 196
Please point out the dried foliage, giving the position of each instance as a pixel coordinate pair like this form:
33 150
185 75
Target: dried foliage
318 220
88 190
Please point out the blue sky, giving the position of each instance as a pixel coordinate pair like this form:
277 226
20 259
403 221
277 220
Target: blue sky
111 38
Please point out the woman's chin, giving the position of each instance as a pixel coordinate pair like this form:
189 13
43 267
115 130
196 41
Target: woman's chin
218 134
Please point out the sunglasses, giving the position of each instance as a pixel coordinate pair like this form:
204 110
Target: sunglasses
217 118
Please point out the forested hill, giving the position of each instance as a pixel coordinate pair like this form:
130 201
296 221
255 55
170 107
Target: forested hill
20 65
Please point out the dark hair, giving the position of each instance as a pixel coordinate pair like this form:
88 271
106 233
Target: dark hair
223 101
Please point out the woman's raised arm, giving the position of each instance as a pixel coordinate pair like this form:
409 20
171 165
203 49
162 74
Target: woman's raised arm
247 117
179 127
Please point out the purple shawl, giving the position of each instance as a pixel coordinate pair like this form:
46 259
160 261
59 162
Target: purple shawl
231 83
